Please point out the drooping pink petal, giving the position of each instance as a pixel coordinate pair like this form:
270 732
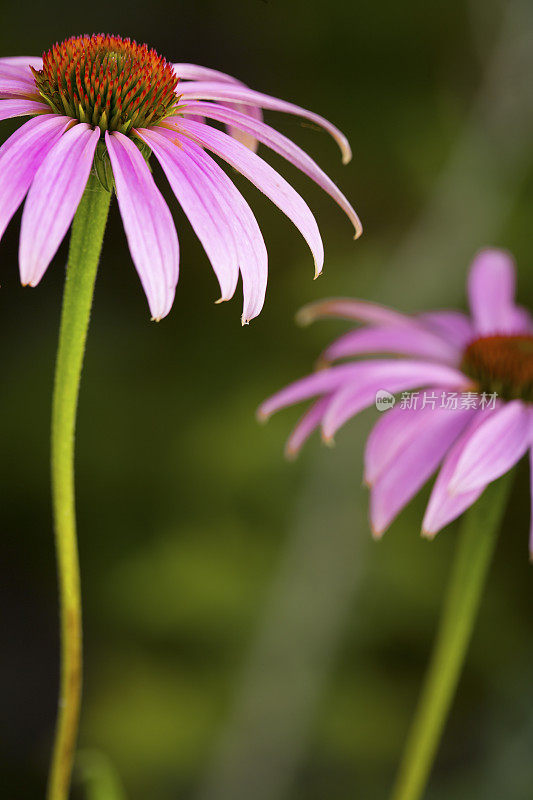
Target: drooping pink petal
414 464
357 384
391 376
246 234
23 61
280 144
194 72
211 90
322 382
21 108
444 507
388 437
17 87
357 310
496 446
148 223
454 326
20 157
308 423
16 72
210 220
253 257
264 177
53 198
408 341
491 291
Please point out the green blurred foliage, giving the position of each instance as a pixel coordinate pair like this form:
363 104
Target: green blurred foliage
186 507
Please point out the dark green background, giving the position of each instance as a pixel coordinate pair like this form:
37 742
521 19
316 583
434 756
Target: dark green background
244 637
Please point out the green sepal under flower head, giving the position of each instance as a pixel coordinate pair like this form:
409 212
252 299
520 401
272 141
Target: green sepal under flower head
102 163
102 167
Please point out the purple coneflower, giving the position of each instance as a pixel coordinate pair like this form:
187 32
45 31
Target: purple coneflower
474 417
104 103
100 106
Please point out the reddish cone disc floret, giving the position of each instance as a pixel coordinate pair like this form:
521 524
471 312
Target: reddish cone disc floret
108 81
502 364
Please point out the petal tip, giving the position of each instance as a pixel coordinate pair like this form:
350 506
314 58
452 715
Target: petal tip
303 317
291 452
262 416
322 363
377 533
358 232
328 439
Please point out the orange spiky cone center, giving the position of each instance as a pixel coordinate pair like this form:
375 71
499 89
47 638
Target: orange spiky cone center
502 364
108 81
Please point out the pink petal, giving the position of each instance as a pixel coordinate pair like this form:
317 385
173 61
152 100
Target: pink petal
22 61
197 118
308 423
247 236
251 249
21 156
210 90
414 464
280 144
520 321
202 205
491 290
264 177
388 437
53 198
444 507
17 72
148 223
21 108
17 87
454 326
496 446
359 382
393 376
408 341
195 72
321 382
358 310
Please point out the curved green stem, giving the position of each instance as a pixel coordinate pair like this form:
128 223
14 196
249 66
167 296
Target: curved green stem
85 246
474 552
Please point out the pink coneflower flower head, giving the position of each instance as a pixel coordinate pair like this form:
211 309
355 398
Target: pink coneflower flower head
466 394
105 104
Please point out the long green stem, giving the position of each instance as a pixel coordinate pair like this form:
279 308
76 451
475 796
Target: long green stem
85 246
475 549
